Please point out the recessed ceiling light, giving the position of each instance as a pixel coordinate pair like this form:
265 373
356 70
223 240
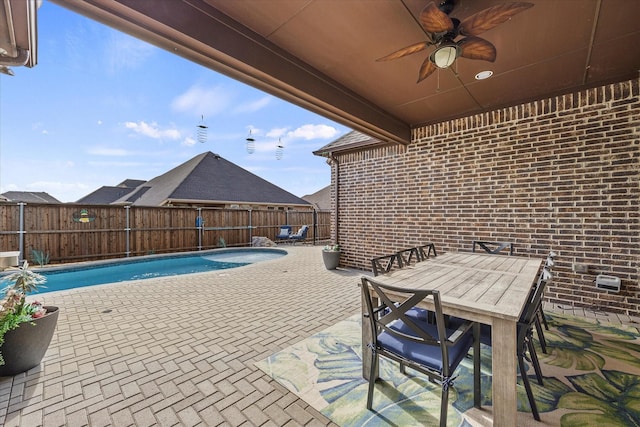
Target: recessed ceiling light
484 75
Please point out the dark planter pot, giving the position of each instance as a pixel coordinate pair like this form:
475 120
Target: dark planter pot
25 346
331 259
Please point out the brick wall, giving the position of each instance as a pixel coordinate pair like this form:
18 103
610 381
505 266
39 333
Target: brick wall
559 174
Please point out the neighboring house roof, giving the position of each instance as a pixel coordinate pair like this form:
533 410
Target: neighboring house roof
321 199
107 194
208 178
131 183
30 197
353 140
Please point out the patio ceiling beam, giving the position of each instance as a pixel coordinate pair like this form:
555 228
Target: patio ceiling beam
199 32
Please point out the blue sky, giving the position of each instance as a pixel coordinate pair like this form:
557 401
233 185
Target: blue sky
101 107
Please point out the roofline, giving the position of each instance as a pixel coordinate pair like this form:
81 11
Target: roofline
232 202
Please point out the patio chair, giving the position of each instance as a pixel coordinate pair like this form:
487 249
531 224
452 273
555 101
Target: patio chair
428 348
541 319
386 263
300 235
409 256
524 336
493 247
425 250
285 232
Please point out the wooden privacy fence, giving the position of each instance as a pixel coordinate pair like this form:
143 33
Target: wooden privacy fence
73 232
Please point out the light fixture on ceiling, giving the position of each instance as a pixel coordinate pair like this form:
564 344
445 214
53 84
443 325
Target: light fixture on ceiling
251 143
202 131
445 54
484 75
279 150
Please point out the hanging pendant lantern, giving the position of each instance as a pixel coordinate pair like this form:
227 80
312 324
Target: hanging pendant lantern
279 150
202 131
251 143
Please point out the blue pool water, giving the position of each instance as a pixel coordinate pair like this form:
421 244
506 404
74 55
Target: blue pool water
157 266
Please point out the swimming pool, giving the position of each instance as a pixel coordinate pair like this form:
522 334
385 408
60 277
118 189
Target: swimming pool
101 272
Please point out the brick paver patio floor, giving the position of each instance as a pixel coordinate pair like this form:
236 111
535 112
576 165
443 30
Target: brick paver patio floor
180 351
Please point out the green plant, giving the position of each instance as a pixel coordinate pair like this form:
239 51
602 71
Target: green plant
332 248
221 243
14 309
40 257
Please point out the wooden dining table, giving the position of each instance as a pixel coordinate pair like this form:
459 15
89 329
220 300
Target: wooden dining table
490 289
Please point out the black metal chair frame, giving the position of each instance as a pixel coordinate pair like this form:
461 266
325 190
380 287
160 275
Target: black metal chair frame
425 250
409 256
385 263
385 317
525 338
493 247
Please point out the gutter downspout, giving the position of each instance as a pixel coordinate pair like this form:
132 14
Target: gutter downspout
335 171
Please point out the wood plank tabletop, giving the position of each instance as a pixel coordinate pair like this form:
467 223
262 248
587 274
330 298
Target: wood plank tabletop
474 286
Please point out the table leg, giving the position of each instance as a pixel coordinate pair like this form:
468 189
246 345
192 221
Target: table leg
504 372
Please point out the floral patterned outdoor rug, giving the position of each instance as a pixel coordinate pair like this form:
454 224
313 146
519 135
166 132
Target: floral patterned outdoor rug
591 377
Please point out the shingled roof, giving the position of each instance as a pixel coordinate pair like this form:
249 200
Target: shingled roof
107 194
353 140
29 197
209 179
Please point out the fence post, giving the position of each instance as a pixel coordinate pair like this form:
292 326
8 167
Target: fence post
21 232
250 228
199 225
127 229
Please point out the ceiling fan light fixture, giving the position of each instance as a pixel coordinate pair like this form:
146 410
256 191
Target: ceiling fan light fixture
445 55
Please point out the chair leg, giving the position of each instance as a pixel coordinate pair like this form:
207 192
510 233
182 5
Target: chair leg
535 362
372 380
527 387
540 332
544 319
444 403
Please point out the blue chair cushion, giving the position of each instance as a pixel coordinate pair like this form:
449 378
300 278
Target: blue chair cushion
425 354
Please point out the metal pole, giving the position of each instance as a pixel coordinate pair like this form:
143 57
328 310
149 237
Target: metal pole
199 225
250 228
127 230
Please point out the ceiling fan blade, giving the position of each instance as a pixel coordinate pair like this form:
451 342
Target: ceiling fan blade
426 69
487 19
405 51
477 48
434 20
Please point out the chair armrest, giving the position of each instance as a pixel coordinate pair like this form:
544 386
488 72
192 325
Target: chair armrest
377 310
460 332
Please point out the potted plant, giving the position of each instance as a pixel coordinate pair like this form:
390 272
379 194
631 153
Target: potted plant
26 328
331 256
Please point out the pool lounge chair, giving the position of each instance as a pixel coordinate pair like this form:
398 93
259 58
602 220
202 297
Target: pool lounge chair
285 232
300 235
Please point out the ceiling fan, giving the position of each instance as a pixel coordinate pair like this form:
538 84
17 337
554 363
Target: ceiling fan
443 31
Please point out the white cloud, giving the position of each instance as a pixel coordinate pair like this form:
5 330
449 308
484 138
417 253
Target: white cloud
202 100
152 130
253 106
277 132
189 142
124 52
314 132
